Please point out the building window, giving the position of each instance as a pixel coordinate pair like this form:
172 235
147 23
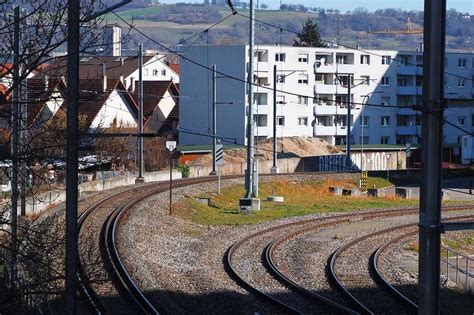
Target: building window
261 98
461 121
281 57
472 120
281 99
384 140
303 58
462 63
280 78
280 120
365 79
155 72
145 72
385 81
402 82
461 83
386 60
385 121
365 59
341 59
417 120
262 56
302 100
385 100
163 72
364 121
302 121
303 79
260 120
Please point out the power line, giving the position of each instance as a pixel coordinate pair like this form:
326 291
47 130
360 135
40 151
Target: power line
239 79
348 47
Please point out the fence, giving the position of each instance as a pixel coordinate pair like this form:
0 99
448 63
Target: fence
462 277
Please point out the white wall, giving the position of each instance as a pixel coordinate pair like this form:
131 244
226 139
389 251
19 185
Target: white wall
195 84
114 108
152 71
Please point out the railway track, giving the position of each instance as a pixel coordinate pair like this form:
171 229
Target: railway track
363 285
105 284
405 296
248 270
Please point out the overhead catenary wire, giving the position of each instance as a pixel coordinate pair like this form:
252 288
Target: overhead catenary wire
349 47
239 79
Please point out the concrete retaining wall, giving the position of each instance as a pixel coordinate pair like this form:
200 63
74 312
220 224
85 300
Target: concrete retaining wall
45 200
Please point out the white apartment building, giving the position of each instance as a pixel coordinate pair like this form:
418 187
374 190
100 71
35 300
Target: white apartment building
312 93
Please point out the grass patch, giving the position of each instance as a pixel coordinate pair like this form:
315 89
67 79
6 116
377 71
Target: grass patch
301 198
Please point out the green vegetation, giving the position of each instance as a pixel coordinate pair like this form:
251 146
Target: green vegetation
184 20
301 198
184 169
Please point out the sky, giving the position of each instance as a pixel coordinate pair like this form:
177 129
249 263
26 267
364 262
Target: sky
465 6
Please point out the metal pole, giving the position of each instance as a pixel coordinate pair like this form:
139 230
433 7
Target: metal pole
72 153
171 179
219 179
274 118
250 123
214 120
432 135
23 141
348 137
140 113
14 142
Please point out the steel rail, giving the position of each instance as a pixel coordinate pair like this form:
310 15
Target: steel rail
377 274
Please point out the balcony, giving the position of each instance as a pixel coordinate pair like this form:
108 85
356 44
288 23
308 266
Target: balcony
406 111
345 68
324 89
408 130
321 67
324 110
409 70
320 130
409 90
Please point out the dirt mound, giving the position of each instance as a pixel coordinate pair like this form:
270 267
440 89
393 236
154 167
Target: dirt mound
286 147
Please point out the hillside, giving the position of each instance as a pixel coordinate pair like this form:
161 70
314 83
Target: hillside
172 24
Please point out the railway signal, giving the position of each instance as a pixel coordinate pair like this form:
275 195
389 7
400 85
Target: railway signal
171 146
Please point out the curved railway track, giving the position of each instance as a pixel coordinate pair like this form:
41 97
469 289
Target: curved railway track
370 298
239 271
104 282
407 298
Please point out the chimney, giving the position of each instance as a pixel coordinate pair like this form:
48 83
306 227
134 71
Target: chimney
121 61
104 78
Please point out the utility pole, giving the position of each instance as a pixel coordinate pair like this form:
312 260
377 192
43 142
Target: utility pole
14 141
72 153
348 137
249 201
274 168
140 178
432 135
214 119
250 123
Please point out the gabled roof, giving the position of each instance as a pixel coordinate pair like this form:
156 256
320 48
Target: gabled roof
40 92
92 97
174 67
91 67
153 93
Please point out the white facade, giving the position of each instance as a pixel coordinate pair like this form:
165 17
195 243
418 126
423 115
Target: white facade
312 93
153 70
115 109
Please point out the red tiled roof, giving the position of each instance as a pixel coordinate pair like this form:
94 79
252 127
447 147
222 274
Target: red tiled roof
174 67
6 68
91 68
153 92
39 93
92 97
